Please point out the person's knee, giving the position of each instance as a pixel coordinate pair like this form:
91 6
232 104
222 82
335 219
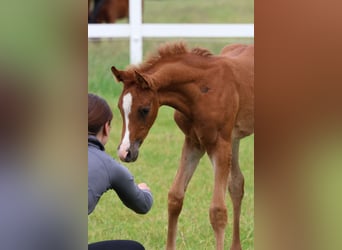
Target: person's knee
116 245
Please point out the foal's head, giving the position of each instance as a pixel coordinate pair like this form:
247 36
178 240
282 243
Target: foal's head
138 106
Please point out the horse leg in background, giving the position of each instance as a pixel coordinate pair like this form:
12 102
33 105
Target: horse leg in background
98 13
236 191
89 3
111 11
220 156
191 154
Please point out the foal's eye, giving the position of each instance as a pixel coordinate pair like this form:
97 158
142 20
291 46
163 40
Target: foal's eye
144 111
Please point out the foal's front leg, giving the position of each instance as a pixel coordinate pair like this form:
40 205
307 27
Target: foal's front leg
236 191
191 154
220 156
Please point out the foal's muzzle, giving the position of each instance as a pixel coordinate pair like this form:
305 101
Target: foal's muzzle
129 154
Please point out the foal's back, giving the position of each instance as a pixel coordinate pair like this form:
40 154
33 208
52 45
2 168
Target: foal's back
238 50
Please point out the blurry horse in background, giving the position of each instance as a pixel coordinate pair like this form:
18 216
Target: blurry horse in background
213 98
107 11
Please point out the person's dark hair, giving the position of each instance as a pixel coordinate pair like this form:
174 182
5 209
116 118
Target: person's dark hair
99 113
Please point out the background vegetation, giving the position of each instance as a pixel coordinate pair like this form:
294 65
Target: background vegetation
160 153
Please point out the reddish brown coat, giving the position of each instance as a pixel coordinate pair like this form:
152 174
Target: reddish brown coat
214 101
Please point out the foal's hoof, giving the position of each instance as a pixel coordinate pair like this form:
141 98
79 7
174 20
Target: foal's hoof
236 247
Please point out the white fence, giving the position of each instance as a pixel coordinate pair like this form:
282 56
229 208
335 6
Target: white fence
136 30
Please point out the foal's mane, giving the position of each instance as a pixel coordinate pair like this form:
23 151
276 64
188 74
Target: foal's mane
167 50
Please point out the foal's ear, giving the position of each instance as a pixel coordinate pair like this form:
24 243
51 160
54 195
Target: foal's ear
144 80
119 75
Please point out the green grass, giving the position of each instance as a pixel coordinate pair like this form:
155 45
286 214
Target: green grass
197 11
157 164
160 153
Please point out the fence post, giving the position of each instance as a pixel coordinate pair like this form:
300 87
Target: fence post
135 21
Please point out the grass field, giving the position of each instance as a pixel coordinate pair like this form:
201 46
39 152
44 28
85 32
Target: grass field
160 153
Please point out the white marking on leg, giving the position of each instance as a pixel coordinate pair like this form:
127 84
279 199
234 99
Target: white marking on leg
125 144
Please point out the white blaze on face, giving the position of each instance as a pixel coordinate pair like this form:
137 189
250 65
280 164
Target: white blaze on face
125 143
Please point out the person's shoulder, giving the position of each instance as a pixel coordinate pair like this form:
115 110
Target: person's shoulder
98 158
117 171
111 163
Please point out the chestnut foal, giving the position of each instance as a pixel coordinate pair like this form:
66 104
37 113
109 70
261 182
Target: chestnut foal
213 98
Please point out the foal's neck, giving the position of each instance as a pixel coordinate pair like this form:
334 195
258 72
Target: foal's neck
179 85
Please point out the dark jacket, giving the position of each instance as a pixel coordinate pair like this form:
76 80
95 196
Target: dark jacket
105 173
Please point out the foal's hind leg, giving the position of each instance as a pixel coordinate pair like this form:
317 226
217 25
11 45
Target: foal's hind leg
191 154
236 191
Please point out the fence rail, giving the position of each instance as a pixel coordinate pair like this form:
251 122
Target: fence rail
136 30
